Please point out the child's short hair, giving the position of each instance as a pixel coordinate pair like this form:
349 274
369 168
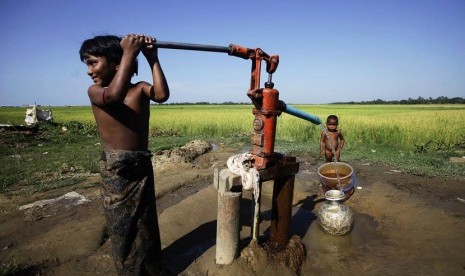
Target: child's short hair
332 117
107 46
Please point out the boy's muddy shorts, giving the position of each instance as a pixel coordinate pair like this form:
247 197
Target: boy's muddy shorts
129 205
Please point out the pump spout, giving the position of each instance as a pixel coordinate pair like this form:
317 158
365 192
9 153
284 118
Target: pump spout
300 114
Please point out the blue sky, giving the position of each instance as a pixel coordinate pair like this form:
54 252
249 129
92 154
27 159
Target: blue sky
329 50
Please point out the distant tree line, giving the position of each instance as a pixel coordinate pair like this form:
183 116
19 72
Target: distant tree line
207 103
419 100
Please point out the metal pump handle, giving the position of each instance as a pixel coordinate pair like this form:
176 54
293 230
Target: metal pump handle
190 46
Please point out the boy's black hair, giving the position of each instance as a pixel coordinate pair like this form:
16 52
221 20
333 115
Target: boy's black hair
332 117
107 46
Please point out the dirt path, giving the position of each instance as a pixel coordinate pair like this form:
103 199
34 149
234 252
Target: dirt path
404 225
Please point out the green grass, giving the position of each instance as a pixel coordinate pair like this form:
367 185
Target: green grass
418 139
47 159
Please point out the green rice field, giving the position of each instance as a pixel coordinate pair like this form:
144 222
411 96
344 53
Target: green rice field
398 126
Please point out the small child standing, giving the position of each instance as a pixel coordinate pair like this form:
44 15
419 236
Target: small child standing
331 141
122 110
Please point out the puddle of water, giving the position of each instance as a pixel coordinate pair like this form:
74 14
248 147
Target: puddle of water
318 242
327 249
338 255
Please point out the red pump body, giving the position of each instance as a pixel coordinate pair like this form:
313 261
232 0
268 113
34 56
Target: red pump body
266 105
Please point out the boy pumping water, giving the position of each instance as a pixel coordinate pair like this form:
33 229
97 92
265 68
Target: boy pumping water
121 110
331 141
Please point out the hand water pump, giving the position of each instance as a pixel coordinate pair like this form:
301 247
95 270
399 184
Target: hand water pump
267 107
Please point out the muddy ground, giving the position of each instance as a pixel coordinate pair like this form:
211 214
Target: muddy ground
403 224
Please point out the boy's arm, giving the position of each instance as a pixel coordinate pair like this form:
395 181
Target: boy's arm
322 143
341 140
159 91
119 85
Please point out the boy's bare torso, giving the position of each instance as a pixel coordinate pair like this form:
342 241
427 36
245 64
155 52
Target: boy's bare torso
125 126
334 136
